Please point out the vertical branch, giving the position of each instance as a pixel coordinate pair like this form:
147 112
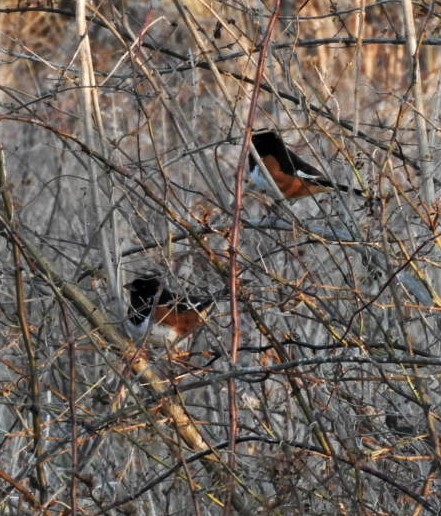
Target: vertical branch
28 343
234 241
358 64
427 185
72 409
90 107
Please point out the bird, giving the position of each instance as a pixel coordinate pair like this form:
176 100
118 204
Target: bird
294 177
160 314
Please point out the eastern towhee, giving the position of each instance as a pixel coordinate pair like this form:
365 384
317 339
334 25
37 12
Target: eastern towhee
294 177
160 314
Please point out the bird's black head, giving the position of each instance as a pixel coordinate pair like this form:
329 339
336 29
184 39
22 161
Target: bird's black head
146 285
142 295
268 142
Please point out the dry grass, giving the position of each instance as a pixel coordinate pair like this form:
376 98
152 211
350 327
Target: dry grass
122 156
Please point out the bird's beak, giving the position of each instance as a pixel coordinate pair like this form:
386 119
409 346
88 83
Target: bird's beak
129 286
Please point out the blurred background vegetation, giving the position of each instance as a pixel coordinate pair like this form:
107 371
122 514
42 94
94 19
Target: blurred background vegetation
122 124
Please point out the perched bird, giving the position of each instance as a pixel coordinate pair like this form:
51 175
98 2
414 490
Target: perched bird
160 314
294 177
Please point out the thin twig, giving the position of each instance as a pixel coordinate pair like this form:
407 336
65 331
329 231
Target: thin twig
234 241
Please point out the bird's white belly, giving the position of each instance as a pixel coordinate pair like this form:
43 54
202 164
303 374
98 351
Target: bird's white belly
258 179
154 334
